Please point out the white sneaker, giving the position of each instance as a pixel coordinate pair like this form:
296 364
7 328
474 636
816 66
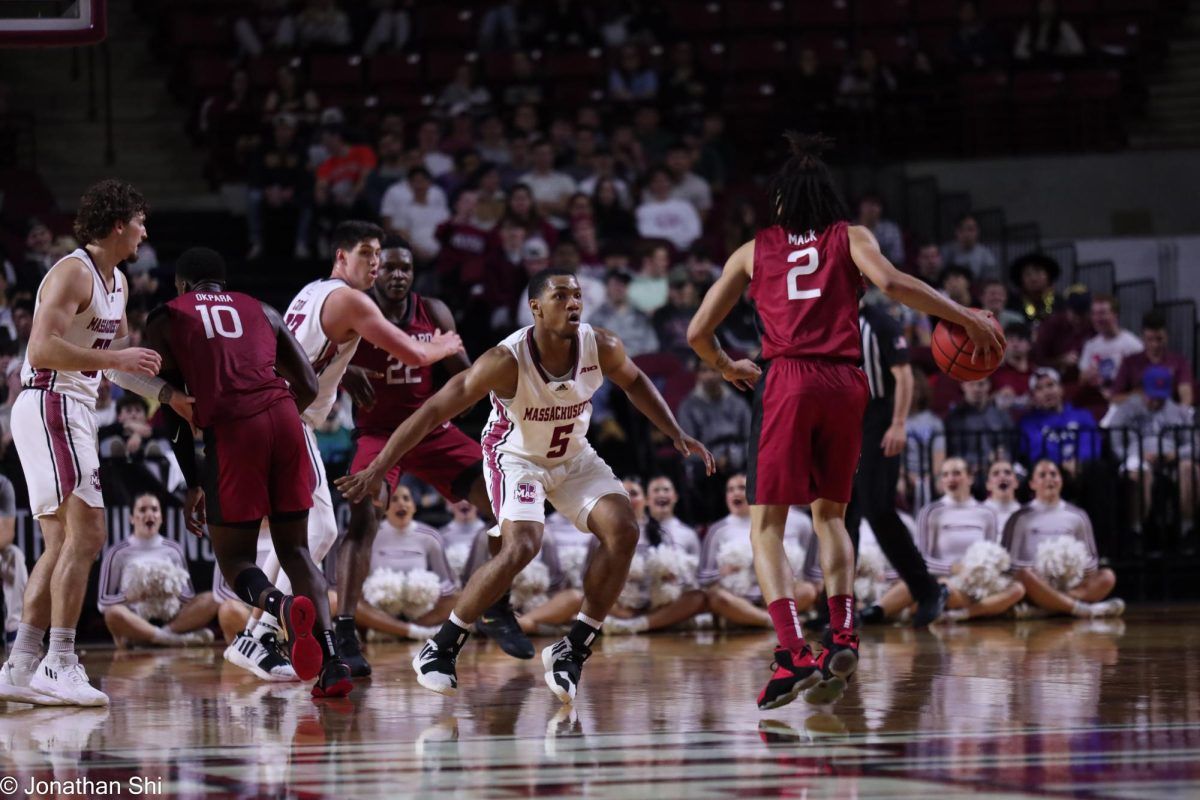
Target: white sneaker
1114 607
420 632
199 638
65 678
14 684
262 658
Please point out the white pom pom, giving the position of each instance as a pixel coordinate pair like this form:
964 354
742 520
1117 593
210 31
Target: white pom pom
871 563
635 593
735 559
152 587
573 558
422 589
530 585
457 555
982 571
666 566
1062 561
795 555
384 589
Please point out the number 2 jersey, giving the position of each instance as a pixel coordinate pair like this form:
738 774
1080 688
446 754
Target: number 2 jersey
225 347
805 288
546 421
402 389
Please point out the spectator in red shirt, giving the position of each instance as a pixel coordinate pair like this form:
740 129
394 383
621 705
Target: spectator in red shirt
341 178
460 261
1062 335
1154 338
1010 383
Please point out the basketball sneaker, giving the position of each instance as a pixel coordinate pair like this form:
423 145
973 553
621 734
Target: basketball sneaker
499 623
62 676
345 633
931 608
435 669
334 680
263 657
14 683
838 661
298 616
790 676
563 662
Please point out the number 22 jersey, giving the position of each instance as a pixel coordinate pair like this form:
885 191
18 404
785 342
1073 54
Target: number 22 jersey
546 421
402 389
805 288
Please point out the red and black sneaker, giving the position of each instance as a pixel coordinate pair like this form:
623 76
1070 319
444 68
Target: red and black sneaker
298 616
791 675
334 680
837 662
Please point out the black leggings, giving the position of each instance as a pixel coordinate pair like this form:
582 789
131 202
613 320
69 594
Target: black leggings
875 500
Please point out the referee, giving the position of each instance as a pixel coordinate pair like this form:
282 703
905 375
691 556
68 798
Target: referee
886 362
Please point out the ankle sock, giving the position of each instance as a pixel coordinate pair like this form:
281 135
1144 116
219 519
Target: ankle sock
264 625
786 619
28 643
451 636
841 613
62 642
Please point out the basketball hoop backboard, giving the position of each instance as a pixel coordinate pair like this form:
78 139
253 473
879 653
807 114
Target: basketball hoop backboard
51 23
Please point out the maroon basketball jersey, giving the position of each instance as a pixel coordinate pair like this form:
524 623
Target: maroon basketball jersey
806 288
402 389
225 347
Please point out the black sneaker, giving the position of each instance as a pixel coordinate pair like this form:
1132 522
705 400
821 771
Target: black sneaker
499 623
345 633
563 662
435 669
931 608
872 615
790 677
334 680
838 661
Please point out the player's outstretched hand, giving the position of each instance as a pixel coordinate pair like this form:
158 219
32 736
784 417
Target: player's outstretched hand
182 404
743 374
984 335
690 447
194 516
357 382
360 485
445 344
137 360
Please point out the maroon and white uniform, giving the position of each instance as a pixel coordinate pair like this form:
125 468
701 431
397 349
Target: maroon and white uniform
535 445
806 428
54 420
257 462
447 458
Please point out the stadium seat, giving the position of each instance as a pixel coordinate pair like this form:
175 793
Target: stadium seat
576 64
890 46
1007 9
1121 38
935 11
711 56
821 14
877 13
758 54
395 69
264 68
447 23
692 18
190 31
832 50
335 71
208 73
766 16
1039 111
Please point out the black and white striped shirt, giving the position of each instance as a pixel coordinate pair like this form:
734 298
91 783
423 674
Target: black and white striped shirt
883 347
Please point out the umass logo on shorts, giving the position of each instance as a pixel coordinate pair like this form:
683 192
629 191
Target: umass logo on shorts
526 493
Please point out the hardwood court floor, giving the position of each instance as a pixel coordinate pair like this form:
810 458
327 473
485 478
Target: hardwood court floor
1035 709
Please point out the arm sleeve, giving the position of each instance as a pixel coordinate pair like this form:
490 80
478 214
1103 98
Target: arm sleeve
927 538
435 558
111 567
1084 534
8 498
708 571
478 556
183 445
549 557
189 591
148 386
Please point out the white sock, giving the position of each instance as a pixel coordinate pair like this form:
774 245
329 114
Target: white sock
1081 609
165 636
266 624
62 642
28 643
456 620
586 620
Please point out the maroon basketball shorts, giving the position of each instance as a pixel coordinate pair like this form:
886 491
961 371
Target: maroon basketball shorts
447 459
258 466
806 432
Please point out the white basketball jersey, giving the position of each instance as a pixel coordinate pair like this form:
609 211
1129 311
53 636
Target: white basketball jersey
546 422
328 360
94 328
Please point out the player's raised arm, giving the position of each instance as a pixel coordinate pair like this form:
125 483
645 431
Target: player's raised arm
915 293
719 300
66 290
291 362
368 321
496 370
618 367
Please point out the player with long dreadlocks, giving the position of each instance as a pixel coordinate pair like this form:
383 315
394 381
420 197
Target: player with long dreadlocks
805 274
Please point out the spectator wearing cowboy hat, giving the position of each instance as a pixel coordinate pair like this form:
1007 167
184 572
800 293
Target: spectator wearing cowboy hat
1034 275
1062 335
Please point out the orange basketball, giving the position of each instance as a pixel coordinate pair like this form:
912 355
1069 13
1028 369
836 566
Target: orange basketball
952 350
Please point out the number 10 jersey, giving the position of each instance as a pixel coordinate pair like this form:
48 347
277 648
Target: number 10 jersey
546 421
805 288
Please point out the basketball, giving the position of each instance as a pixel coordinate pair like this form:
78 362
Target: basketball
952 350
